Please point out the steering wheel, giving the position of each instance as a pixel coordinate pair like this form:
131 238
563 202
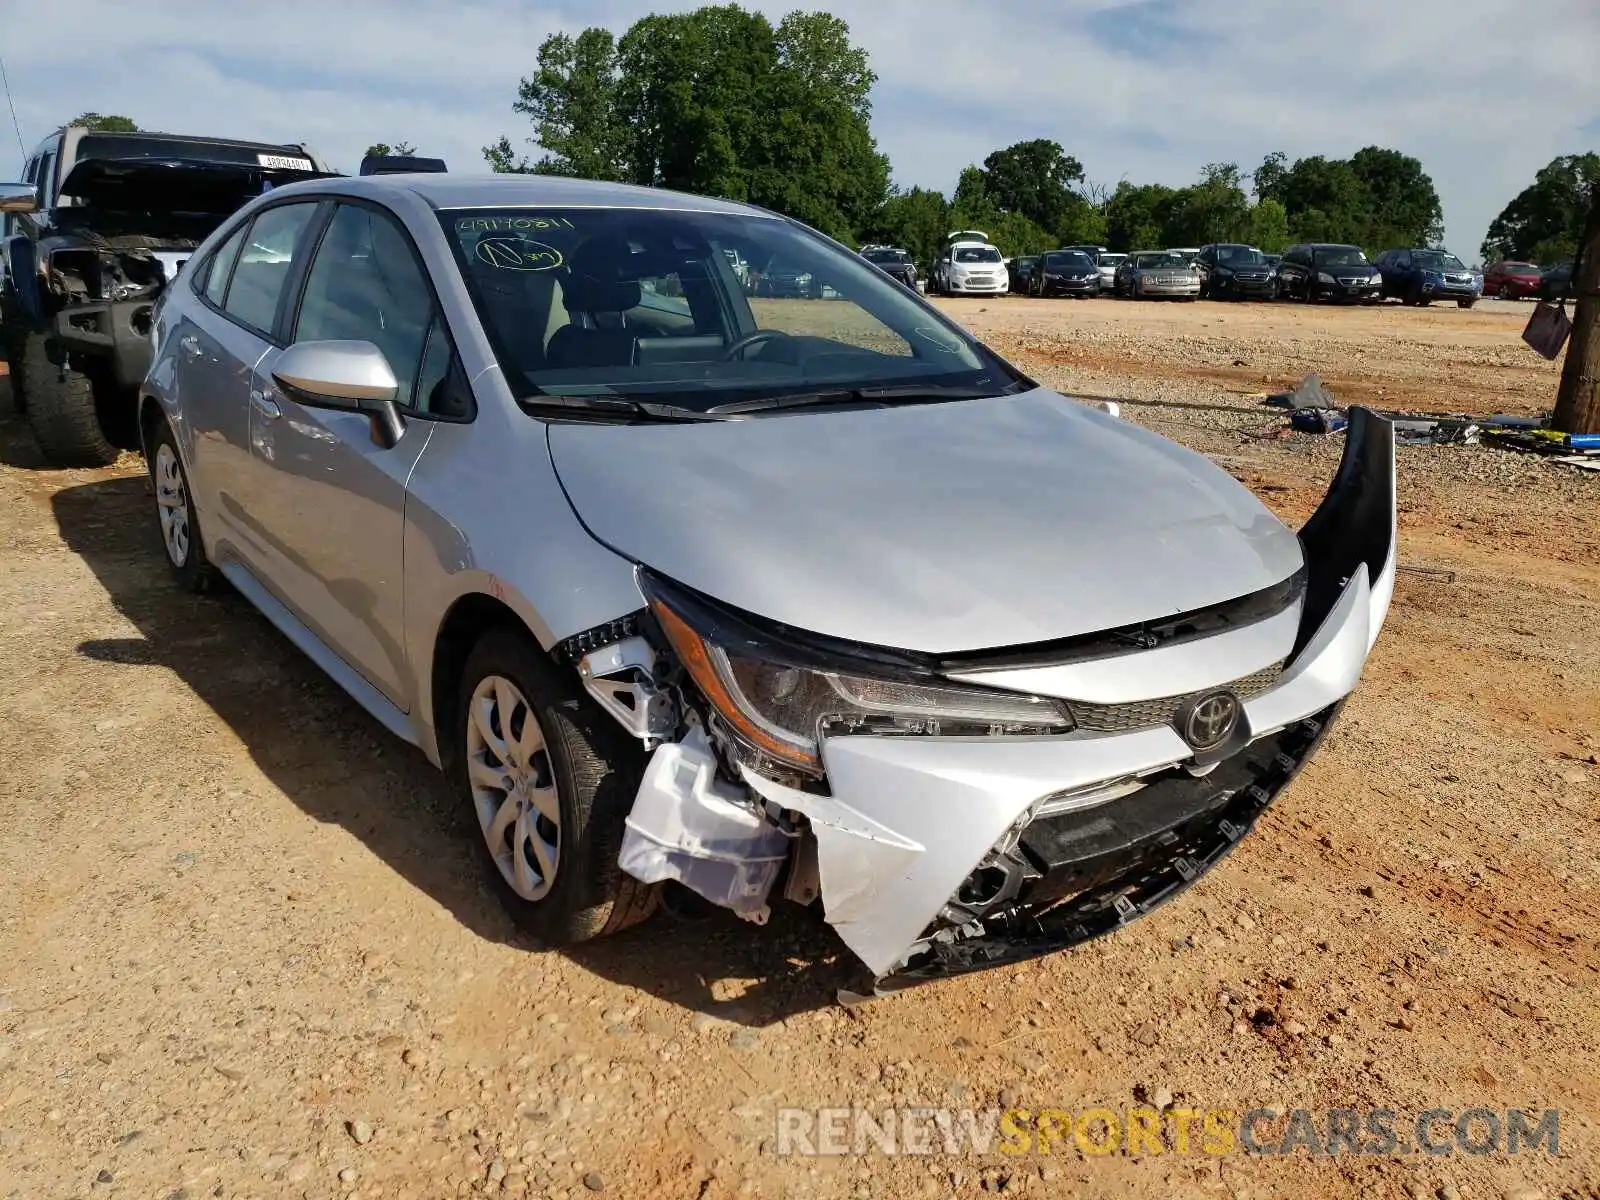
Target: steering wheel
759 337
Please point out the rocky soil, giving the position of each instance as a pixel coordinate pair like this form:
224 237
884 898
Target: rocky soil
246 950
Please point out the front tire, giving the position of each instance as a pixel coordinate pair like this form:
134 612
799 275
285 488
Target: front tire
548 780
62 411
1467 303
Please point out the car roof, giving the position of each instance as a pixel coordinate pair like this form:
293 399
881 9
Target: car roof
445 191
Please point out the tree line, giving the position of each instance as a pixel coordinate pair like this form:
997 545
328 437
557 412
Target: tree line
721 101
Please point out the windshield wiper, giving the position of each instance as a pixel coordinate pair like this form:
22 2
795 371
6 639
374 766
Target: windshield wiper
910 393
610 408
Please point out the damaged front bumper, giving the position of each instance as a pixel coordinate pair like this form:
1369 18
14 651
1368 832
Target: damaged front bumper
936 855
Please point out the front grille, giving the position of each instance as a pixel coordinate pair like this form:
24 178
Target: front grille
1251 276
1353 280
1173 280
1147 714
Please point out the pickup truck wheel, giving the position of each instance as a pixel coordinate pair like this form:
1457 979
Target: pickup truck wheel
180 526
547 780
62 410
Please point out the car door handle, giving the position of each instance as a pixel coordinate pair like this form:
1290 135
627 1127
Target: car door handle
189 344
265 405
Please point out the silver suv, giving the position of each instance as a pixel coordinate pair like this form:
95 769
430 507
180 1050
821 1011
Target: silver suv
806 597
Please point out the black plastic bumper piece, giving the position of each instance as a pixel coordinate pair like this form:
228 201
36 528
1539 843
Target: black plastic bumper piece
114 331
1132 864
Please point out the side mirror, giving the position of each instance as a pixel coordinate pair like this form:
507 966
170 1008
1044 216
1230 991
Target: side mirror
18 197
345 377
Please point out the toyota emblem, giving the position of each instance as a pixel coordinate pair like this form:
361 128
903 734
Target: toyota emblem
1210 720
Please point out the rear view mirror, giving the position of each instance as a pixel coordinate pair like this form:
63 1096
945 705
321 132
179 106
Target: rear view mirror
347 377
18 197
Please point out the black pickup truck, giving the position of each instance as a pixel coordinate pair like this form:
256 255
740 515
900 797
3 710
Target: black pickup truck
100 223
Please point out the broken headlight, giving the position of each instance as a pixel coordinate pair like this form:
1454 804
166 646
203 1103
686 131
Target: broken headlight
781 705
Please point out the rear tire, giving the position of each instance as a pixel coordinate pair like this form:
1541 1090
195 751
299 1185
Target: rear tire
574 761
176 516
62 410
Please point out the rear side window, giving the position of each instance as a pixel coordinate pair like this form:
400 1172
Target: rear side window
265 261
219 266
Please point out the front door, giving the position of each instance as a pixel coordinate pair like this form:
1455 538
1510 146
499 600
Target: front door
333 514
217 352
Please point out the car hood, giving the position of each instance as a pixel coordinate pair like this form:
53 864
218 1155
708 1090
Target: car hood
937 528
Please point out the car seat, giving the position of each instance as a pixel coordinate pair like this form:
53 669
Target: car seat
598 287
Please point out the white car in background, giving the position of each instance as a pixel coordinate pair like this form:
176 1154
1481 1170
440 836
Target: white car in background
1108 270
969 265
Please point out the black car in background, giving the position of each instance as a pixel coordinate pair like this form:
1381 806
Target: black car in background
1555 283
1327 271
1233 271
893 262
1419 275
1020 271
1066 273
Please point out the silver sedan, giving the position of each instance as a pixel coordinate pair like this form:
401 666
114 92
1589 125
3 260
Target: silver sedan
1149 274
806 597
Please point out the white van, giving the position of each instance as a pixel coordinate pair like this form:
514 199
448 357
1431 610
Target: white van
969 265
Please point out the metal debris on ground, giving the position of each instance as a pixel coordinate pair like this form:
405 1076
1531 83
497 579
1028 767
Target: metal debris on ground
1312 393
1438 573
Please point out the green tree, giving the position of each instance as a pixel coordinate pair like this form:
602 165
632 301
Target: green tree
916 220
1268 227
1543 222
715 101
504 160
1212 210
1035 179
103 123
571 99
1269 177
1402 205
383 149
1136 215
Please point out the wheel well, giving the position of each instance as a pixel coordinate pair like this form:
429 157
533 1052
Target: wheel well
150 415
468 620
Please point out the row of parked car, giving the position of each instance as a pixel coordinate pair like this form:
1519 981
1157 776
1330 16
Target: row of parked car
971 265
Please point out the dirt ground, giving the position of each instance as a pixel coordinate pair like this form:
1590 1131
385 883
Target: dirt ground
246 951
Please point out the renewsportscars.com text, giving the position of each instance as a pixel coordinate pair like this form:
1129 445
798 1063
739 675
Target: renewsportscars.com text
1214 1131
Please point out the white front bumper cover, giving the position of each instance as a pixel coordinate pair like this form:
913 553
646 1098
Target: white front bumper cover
910 819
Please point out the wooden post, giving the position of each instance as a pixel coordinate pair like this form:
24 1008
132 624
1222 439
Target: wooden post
1578 401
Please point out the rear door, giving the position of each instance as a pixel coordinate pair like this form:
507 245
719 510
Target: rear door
332 501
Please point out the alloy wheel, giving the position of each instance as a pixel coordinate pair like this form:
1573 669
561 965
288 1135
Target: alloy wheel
513 787
172 505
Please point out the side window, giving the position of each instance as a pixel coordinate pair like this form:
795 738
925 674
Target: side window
432 393
46 181
1402 260
265 261
366 285
220 267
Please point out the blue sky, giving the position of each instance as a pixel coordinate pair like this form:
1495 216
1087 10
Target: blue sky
1484 92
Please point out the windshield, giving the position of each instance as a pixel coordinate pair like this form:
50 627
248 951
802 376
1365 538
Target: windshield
976 254
1240 256
1111 260
1069 260
1437 260
1519 268
887 256
644 303
1161 258
1341 256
